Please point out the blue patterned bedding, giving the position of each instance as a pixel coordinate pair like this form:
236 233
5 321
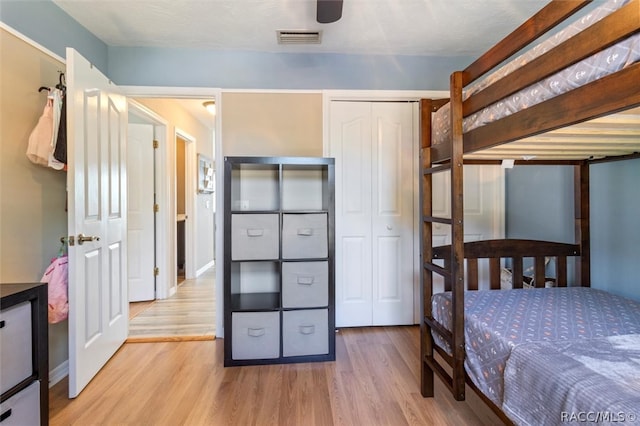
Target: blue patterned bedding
608 61
584 380
498 320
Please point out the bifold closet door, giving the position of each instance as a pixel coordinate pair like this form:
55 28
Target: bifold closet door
374 147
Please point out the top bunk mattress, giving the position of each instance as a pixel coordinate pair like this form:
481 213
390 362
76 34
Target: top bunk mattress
605 62
498 320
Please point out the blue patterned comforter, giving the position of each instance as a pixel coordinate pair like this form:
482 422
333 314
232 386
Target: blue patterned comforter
594 381
498 320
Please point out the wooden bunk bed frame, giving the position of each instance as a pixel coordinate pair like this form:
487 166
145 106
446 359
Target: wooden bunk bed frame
610 94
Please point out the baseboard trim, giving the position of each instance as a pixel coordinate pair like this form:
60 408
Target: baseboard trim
58 373
205 268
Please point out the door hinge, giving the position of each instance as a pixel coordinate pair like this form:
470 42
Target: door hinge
156 208
156 271
155 144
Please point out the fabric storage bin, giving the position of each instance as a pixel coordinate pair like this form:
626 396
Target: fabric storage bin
22 408
305 332
304 236
15 345
256 335
305 284
254 236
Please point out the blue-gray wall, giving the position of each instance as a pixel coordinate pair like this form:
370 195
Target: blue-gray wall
615 234
256 70
539 204
47 24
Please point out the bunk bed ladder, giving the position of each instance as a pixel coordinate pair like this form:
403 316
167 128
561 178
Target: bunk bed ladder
453 270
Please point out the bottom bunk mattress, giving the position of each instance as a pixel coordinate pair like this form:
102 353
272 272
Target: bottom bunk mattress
498 320
584 380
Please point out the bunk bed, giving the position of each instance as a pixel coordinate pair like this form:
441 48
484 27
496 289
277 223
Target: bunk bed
587 66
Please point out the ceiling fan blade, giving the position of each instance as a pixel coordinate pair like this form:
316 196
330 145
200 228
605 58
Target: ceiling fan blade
328 11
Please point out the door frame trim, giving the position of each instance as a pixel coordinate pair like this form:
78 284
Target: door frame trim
203 93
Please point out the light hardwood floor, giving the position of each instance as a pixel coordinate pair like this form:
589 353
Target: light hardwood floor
187 315
374 381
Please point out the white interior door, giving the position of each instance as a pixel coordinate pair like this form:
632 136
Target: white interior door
373 144
140 221
97 203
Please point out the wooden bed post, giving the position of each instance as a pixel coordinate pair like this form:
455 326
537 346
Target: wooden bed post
457 236
426 239
582 222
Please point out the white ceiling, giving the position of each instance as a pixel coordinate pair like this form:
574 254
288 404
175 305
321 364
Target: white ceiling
406 27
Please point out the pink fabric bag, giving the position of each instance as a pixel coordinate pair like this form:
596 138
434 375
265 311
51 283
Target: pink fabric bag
57 276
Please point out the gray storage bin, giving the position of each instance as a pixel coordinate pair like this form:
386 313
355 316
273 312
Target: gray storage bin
305 284
304 236
254 236
15 345
22 408
255 335
305 332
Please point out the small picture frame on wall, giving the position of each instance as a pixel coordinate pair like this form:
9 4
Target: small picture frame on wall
206 175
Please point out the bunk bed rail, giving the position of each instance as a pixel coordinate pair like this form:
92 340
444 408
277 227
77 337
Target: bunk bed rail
614 92
611 29
513 251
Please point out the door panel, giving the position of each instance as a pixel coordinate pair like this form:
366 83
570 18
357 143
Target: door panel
93 296
97 179
393 214
140 222
353 211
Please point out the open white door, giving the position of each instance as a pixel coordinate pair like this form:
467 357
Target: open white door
141 223
97 220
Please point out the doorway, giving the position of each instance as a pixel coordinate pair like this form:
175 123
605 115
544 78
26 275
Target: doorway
181 213
186 210
185 213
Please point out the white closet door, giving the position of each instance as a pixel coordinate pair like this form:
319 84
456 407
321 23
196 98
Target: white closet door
373 144
393 184
350 145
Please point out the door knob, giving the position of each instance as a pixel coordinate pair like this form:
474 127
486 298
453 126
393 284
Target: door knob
86 238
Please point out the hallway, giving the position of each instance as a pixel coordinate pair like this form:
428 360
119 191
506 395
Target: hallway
187 315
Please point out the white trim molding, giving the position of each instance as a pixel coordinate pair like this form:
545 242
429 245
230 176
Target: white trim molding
58 373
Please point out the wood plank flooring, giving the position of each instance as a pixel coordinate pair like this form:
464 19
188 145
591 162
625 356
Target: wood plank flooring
187 315
374 381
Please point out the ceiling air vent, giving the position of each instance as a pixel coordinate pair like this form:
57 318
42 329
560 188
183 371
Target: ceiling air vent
299 37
